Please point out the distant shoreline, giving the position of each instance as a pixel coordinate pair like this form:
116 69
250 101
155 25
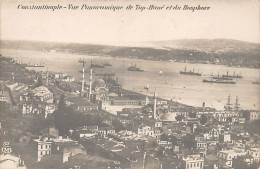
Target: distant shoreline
245 55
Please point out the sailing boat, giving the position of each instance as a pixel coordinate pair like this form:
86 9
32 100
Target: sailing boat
160 72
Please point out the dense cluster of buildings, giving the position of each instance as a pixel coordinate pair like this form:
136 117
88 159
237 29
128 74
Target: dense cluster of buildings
145 132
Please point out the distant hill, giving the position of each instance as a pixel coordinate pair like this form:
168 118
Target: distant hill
209 45
217 51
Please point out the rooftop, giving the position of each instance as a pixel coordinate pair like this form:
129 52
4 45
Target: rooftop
39 91
79 101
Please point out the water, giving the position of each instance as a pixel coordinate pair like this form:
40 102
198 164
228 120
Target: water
170 85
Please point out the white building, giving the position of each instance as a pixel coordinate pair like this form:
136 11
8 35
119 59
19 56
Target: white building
43 146
8 161
145 131
228 155
38 94
193 162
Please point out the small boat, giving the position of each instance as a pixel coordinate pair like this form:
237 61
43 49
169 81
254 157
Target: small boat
135 68
256 82
146 87
160 72
107 64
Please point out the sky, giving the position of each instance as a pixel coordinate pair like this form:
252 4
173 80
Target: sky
229 19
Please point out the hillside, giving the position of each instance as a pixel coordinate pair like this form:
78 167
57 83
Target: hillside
218 51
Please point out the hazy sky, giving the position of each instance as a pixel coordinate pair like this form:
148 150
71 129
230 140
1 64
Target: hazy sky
231 19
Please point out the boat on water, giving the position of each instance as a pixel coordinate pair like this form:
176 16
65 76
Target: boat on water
222 77
219 81
146 87
160 72
233 76
107 64
191 72
256 82
96 66
134 68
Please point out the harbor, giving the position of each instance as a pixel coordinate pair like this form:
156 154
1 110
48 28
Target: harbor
170 84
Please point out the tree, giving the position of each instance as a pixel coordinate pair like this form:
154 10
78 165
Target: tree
179 117
118 125
60 116
239 162
203 119
39 82
192 115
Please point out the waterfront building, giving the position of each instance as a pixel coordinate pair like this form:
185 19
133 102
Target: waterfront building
58 75
68 79
81 104
254 115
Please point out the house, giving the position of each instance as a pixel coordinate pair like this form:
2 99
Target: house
192 162
38 108
104 131
86 134
68 79
81 104
8 161
43 147
224 138
38 94
255 153
228 155
66 148
145 131
5 97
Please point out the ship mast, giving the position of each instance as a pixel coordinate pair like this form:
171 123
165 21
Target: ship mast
228 105
237 104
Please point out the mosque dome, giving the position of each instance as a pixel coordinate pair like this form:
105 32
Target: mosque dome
99 83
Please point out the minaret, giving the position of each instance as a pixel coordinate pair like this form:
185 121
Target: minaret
90 82
154 106
12 78
83 76
47 78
